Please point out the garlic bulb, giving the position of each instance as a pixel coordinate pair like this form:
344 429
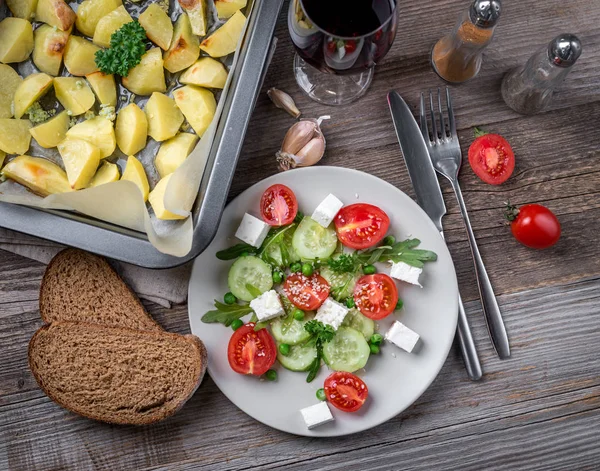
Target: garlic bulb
283 101
303 144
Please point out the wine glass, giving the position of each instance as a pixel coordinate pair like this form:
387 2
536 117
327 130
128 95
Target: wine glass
338 44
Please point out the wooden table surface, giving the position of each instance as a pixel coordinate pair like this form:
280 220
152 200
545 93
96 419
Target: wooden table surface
538 410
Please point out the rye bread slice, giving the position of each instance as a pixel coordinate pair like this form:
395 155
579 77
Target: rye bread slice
79 286
116 375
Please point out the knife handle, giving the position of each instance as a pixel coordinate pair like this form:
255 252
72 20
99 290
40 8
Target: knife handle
467 345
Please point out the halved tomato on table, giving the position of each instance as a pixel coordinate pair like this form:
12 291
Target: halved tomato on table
278 205
306 292
376 296
492 158
360 226
345 391
251 352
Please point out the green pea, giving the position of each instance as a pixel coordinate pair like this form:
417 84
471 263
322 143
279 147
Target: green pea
389 240
307 269
369 269
296 267
298 314
374 349
284 349
321 395
271 375
277 277
236 324
229 298
376 339
399 304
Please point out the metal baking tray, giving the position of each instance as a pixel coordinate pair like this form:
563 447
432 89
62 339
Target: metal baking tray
116 242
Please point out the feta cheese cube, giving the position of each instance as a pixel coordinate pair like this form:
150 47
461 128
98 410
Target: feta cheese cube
316 415
405 272
267 306
402 336
327 210
252 230
331 313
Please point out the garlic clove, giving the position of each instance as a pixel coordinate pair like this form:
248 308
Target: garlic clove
311 153
283 101
298 136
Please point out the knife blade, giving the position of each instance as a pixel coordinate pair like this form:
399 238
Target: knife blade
429 197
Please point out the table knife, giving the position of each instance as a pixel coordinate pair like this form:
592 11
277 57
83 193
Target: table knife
429 197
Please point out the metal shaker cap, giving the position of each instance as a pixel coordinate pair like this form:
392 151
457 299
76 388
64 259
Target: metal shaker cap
564 50
485 13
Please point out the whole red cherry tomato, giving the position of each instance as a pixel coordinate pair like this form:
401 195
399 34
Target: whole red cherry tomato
533 225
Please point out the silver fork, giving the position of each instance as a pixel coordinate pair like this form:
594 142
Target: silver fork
446 156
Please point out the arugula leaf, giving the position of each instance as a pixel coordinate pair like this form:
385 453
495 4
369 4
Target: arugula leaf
226 313
321 334
253 290
278 240
403 251
127 46
236 251
344 290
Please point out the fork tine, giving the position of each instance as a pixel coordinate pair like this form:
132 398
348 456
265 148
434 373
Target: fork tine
451 121
423 120
434 131
441 112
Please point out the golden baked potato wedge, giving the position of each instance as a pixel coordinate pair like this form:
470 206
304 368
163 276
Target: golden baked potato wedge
80 56
10 81
98 131
206 72
131 129
172 153
14 135
74 94
198 105
81 160
52 132
22 8
29 91
41 176
55 13
109 24
104 87
158 26
226 8
16 40
148 76
157 200
49 49
89 13
224 41
107 173
164 118
134 172
185 47
196 11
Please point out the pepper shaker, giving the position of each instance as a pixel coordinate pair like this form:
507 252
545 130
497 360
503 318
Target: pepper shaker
457 57
529 89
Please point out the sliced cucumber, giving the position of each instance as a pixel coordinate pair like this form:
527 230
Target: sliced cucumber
312 240
299 358
357 321
249 270
289 330
348 351
342 284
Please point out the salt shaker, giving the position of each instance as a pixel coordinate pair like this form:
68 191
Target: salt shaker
457 57
529 89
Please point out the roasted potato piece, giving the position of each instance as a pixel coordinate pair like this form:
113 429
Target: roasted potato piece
29 91
226 8
109 24
74 94
198 106
10 81
158 26
81 160
89 13
52 132
148 76
104 87
98 131
107 173
164 118
49 48
14 135
22 8
206 72
55 13
39 175
131 129
185 47
172 153
134 172
157 200
196 11
16 40
224 41
80 56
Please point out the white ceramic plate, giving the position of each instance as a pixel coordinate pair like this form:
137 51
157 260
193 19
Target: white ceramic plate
395 378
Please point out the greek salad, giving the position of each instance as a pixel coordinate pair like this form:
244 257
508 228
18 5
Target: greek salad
305 290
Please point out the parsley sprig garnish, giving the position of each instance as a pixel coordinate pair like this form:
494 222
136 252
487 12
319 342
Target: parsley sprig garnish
127 46
321 334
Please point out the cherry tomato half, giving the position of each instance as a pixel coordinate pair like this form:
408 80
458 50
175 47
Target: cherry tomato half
534 225
306 292
376 296
346 391
492 159
251 352
278 205
360 226
350 46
